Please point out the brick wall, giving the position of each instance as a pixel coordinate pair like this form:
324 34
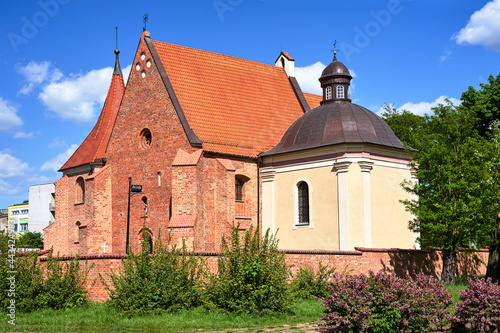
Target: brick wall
398 261
145 105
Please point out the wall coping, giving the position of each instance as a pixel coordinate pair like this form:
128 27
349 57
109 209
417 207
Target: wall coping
358 252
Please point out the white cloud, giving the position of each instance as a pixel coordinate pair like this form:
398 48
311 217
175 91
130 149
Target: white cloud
79 97
483 27
11 167
8 189
424 107
8 115
308 77
24 135
57 162
445 56
37 73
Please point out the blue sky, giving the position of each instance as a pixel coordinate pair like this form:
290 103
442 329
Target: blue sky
57 56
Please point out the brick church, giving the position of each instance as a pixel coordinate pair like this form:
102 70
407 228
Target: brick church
197 141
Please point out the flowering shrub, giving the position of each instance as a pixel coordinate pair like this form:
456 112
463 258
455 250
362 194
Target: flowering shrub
479 309
385 303
310 283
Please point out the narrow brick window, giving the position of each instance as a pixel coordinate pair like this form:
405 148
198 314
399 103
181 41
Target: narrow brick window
145 202
238 189
303 202
159 178
80 190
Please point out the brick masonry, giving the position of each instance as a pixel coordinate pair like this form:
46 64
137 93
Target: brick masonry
398 261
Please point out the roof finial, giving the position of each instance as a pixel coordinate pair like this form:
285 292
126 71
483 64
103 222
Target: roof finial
335 50
145 19
117 70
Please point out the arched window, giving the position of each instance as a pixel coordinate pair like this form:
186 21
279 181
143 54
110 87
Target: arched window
80 190
303 202
340 91
147 241
238 189
328 92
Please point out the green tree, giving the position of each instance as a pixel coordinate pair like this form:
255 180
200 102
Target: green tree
405 125
486 101
32 240
457 190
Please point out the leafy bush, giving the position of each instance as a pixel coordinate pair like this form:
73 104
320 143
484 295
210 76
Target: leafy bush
385 303
39 285
479 308
165 280
310 283
252 277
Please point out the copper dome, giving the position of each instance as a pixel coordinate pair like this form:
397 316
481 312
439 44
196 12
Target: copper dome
336 123
335 68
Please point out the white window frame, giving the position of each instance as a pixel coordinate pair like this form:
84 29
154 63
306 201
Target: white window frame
296 224
340 92
328 93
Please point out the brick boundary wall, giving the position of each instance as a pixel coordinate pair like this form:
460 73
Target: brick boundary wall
402 262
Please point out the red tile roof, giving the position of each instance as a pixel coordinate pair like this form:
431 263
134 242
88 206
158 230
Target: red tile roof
94 145
183 158
234 106
313 100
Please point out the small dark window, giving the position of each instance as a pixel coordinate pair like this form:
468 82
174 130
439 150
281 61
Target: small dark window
303 202
145 138
145 202
238 190
80 190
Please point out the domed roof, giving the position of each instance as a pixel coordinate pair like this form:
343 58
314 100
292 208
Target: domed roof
335 68
336 123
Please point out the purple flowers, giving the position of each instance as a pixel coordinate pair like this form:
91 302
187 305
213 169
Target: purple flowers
385 303
479 309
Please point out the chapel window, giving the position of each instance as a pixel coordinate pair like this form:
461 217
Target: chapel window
238 189
329 92
303 202
340 91
80 190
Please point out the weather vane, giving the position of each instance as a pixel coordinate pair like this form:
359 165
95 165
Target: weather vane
116 28
335 50
145 18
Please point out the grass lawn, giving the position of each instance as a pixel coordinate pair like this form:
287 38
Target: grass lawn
102 318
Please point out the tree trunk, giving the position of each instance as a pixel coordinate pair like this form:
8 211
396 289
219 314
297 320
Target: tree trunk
449 266
493 269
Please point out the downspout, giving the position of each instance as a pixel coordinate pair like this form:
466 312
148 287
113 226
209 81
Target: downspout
258 195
